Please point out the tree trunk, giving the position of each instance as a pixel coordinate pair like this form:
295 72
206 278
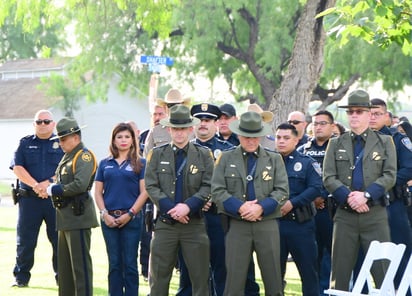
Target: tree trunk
305 66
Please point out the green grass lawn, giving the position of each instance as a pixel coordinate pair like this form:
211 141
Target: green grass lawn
42 282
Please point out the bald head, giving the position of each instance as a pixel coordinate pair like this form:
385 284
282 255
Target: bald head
298 119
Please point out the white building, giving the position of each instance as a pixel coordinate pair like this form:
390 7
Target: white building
20 99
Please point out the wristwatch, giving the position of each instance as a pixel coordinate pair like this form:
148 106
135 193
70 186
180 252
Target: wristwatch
367 195
102 213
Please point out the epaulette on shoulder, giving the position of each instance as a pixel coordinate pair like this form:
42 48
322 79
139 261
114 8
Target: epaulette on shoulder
26 138
230 149
268 150
200 146
161 146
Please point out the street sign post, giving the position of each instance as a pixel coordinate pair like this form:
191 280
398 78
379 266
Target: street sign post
156 60
155 64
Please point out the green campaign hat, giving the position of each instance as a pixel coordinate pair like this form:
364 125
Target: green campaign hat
250 125
179 117
359 98
66 126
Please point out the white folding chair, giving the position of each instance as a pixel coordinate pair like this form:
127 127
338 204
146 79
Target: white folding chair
376 251
406 281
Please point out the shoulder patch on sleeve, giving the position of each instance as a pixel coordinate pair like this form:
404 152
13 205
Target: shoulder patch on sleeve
87 157
407 143
316 166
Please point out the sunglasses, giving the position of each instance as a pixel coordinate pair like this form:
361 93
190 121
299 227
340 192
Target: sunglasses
294 122
357 111
170 105
45 121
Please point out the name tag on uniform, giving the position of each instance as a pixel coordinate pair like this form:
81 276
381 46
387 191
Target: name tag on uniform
164 162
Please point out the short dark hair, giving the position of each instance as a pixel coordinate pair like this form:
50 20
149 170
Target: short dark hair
288 126
325 112
379 102
340 127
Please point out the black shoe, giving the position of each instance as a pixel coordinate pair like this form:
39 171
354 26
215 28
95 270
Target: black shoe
20 284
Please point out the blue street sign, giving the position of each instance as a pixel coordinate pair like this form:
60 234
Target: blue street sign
156 60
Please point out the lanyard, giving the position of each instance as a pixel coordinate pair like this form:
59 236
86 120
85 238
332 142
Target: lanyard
179 171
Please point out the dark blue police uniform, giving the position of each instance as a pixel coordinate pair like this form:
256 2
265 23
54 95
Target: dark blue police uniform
40 158
302 141
323 220
397 211
297 228
233 139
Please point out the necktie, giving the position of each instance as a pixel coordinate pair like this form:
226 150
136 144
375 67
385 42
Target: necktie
357 175
251 168
180 157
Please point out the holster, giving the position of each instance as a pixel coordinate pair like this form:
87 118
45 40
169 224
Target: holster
15 194
332 205
148 217
78 203
305 213
404 194
301 214
408 200
225 220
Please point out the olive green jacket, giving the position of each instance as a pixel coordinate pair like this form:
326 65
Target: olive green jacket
379 164
270 180
160 177
76 181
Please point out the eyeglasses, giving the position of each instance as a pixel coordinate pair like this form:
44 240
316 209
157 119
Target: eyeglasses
377 114
357 111
45 121
294 122
321 123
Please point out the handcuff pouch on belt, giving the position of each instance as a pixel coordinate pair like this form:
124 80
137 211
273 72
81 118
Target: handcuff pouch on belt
167 219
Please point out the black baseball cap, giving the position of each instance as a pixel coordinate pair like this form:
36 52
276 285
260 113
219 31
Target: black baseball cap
228 110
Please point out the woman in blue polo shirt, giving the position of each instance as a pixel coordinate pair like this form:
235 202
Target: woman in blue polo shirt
120 195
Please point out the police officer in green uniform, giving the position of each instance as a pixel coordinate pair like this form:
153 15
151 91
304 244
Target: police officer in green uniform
250 185
178 177
159 135
359 168
75 211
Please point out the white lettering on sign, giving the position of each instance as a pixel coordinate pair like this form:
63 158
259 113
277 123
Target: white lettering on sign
156 60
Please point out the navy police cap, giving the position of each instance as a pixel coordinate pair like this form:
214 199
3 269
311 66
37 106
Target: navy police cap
205 110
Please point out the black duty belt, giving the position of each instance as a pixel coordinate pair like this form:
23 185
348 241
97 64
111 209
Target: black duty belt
27 192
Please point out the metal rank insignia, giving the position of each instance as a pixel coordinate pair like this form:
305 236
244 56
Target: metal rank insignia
249 178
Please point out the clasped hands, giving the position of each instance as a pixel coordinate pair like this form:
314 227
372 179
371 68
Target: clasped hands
117 222
41 189
358 202
251 211
180 213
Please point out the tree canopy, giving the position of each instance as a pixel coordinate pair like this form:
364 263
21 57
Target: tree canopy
272 51
381 23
